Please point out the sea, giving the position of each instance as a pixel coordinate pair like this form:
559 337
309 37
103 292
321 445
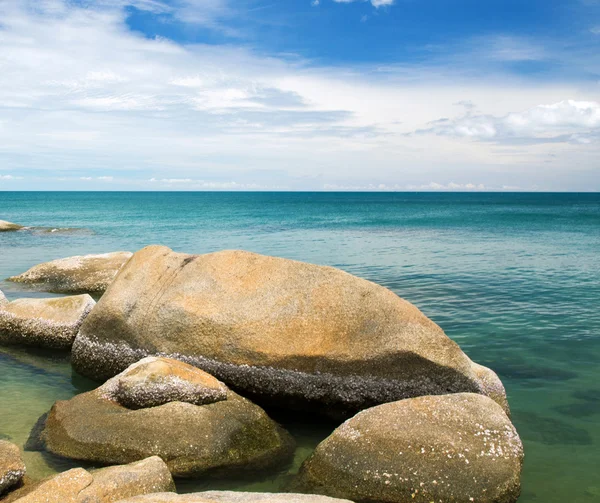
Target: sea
513 278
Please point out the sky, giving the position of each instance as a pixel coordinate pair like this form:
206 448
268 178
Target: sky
377 95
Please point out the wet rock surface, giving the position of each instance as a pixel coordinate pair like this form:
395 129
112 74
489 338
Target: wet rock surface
9 226
281 331
12 468
458 448
48 323
230 434
80 274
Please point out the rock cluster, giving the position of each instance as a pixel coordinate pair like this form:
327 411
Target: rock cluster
226 433
286 332
50 323
81 274
175 333
106 485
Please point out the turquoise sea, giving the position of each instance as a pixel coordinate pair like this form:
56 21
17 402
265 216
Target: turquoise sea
513 278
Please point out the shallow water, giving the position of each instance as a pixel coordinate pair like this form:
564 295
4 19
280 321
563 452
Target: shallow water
513 278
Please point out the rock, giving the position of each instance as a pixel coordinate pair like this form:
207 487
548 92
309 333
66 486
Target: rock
50 323
3 299
156 381
277 330
460 448
81 274
61 488
12 468
233 497
119 482
106 485
227 435
9 226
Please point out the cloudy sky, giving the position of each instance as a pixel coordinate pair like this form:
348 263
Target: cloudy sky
300 94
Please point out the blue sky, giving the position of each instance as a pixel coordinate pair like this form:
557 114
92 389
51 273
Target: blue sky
299 95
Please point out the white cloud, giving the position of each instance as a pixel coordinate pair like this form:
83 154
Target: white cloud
191 184
79 91
563 121
382 187
374 3
10 177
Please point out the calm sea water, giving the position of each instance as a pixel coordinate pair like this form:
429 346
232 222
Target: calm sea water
513 278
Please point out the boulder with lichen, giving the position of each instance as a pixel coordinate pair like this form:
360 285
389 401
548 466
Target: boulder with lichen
456 448
80 274
192 421
49 323
278 330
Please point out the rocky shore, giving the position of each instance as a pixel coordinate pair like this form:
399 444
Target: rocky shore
182 343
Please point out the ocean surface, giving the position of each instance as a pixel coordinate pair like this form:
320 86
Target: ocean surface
513 278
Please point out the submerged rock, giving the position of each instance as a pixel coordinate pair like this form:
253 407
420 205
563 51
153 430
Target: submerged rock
292 333
458 448
9 226
49 323
12 468
81 274
106 485
233 497
225 434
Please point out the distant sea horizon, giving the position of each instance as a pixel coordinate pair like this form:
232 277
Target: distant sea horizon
512 277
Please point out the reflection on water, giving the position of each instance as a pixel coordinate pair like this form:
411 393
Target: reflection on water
514 279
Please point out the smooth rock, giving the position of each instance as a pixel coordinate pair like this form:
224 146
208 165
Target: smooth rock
61 488
115 483
106 485
49 323
233 497
3 299
213 439
458 448
12 468
282 331
81 274
9 226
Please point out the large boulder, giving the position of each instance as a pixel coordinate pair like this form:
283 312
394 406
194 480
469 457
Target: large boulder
292 333
457 448
9 226
51 323
224 434
12 468
233 497
106 485
81 274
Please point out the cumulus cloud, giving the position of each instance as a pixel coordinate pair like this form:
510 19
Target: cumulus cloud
564 121
82 94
